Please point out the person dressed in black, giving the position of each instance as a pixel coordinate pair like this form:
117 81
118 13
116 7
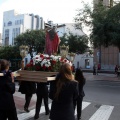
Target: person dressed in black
63 91
94 71
42 94
81 80
28 88
7 89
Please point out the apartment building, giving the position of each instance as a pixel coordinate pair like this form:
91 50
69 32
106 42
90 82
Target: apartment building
15 24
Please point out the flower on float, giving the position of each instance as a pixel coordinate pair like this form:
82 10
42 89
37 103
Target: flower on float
49 63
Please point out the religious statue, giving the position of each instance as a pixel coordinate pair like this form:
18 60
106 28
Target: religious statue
52 42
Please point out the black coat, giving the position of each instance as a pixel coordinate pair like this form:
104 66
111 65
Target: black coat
27 87
81 84
63 108
42 89
7 88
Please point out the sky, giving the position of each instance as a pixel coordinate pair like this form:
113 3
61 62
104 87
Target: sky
62 11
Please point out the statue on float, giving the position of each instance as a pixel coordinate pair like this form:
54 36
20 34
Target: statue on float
52 41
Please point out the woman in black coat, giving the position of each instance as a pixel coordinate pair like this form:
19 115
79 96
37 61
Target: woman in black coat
81 80
28 88
63 91
7 89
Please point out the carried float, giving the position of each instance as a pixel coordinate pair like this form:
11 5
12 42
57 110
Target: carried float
43 67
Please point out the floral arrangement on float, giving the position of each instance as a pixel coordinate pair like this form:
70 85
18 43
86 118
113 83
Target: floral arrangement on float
41 68
44 62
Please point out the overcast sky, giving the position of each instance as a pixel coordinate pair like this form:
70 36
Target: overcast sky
62 11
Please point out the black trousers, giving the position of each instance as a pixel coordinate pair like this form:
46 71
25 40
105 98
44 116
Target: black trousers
8 114
39 103
78 103
27 100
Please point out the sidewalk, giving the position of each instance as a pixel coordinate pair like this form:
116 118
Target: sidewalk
107 71
101 76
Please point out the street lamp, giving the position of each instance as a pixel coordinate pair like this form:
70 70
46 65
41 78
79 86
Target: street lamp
72 56
64 51
23 52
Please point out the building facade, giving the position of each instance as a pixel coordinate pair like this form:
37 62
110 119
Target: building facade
108 57
69 27
83 61
15 24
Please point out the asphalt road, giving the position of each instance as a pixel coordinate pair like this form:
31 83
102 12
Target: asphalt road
103 92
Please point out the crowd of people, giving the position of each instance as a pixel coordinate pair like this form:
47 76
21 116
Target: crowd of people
66 93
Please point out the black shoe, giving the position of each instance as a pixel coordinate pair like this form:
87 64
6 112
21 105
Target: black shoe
79 118
47 113
26 109
36 117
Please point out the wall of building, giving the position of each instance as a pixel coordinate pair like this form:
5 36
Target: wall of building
109 57
66 28
61 31
80 61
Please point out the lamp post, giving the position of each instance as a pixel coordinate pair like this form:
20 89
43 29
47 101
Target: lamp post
64 51
72 56
23 52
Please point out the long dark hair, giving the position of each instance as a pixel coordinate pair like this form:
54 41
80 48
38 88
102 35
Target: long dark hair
65 74
4 64
52 33
79 75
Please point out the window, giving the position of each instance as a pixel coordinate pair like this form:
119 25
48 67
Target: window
9 23
7 37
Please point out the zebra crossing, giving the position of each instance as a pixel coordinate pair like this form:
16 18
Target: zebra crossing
103 112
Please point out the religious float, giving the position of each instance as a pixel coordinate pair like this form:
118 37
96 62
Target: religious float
43 67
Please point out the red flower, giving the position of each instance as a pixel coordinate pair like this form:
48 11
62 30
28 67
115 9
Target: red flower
49 68
37 67
61 59
41 55
28 65
53 62
31 62
65 60
48 58
44 67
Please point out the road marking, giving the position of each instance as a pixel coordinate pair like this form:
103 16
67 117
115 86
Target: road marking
25 116
103 113
84 105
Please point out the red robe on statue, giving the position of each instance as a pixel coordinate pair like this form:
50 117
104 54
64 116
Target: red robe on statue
51 46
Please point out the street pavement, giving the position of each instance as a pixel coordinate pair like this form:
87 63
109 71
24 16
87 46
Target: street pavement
93 111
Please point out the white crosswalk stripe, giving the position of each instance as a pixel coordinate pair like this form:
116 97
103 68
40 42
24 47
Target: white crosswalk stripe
102 113
25 116
84 105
